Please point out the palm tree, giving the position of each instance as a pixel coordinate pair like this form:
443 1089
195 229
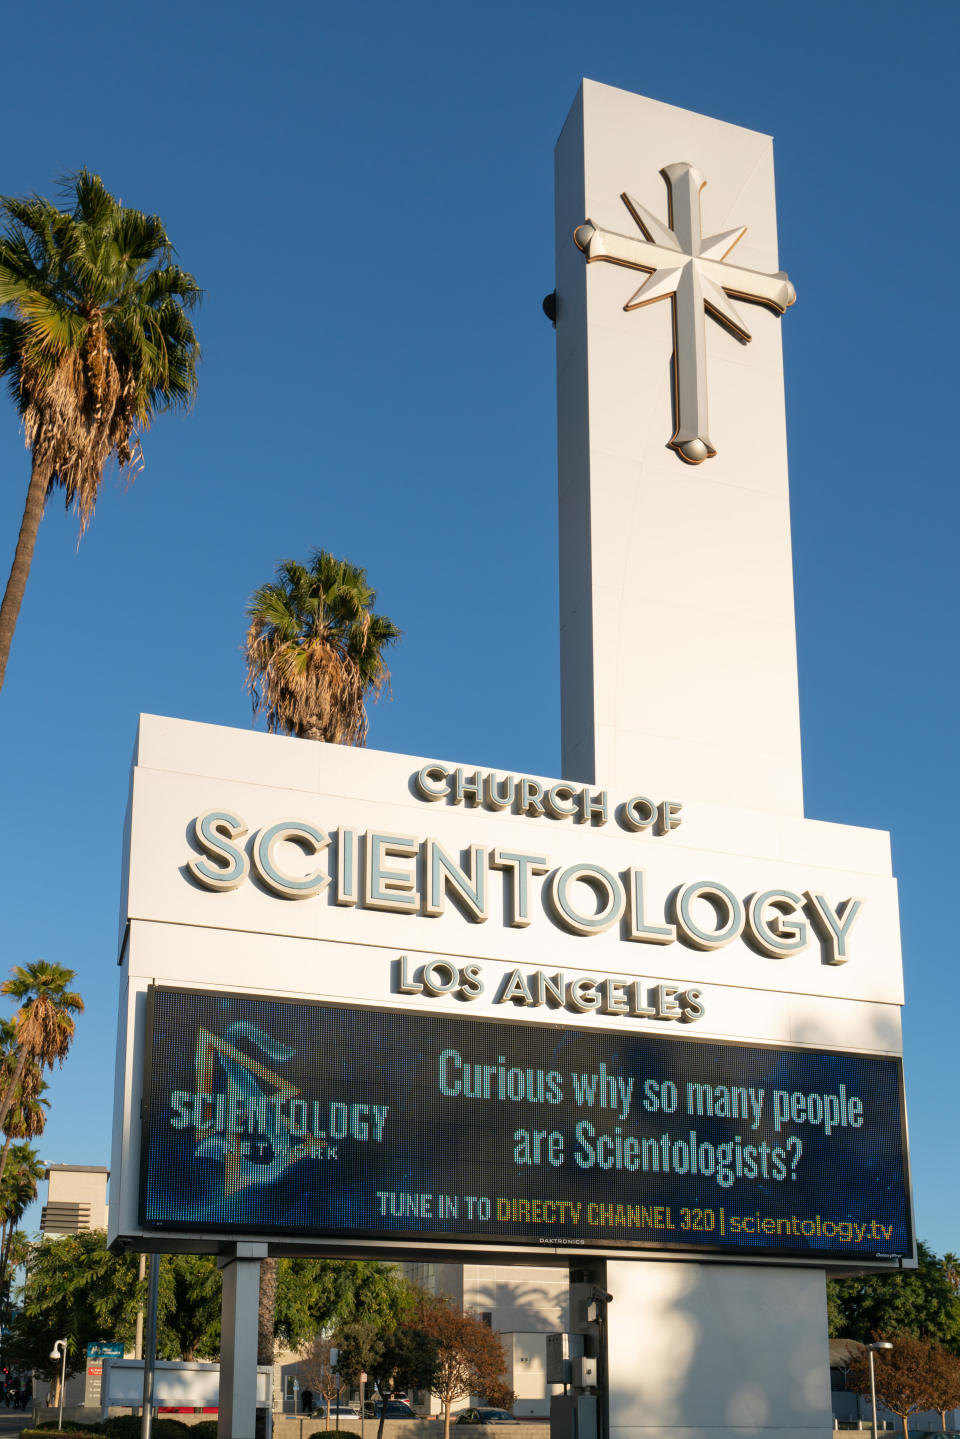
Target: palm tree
18 1189
27 1115
20 1166
314 653
18 1254
43 1023
96 344
314 650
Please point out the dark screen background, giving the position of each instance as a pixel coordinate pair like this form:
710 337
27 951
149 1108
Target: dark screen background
365 1143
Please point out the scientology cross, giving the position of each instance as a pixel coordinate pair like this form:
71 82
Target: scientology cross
691 268
678 651
678 656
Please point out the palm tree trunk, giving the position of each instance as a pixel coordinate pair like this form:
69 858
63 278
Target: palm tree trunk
17 583
4 1254
266 1315
266 1311
5 1277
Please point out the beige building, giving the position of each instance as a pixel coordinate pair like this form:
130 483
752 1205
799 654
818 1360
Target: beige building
76 1199
523 1304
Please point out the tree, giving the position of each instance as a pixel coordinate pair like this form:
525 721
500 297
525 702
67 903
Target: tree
318 1374
314 1295
317 1295
903 1377
500 1395
18 1188
44 1025
26 1119
951 1265
75 1289
470 1357
188 1312
307 1296
27 1115
944 1382
314 650
921 1302
403 1356
19 1250
96 344
266 1311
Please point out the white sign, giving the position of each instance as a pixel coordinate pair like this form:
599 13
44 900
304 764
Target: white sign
282 867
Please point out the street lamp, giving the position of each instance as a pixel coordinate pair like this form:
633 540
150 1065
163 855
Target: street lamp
59 1351
871 1348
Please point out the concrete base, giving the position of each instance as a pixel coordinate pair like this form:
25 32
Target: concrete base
716 1351
286 1426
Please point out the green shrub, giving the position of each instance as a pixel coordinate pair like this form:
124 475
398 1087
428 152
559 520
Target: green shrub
326 1433
72 1427
169 1429
127 1426
122 1426
69 1431
206 1429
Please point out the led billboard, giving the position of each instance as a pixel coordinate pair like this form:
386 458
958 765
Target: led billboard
279 1117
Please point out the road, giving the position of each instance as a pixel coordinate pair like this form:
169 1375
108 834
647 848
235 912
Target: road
13 1420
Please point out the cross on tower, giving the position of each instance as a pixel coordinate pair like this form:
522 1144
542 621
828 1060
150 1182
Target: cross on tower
692 270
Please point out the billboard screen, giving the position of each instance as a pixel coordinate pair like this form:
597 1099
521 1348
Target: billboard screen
288 1118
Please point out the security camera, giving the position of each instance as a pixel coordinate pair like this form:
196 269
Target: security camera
602 1297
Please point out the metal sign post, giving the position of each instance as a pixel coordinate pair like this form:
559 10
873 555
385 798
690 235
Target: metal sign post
150 1347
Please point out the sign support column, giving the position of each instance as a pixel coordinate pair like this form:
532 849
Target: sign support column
238 1353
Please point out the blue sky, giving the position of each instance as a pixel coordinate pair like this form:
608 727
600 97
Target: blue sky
365 194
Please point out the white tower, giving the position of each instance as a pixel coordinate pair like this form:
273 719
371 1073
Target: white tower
678 649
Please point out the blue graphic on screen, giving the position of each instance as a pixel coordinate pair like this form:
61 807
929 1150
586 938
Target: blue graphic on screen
274 1117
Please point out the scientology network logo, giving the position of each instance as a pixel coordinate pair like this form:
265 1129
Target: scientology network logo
255 1122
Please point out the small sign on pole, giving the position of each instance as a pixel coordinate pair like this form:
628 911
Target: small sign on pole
97 1351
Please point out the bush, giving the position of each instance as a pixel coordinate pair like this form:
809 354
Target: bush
122 1426
326 1433
70 1430
127 1426
206 1429
72 1427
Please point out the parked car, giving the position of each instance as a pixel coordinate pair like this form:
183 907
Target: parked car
486 1416
346 1411
396 1409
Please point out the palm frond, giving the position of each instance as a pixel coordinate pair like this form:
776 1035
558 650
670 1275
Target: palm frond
97 341
314 650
